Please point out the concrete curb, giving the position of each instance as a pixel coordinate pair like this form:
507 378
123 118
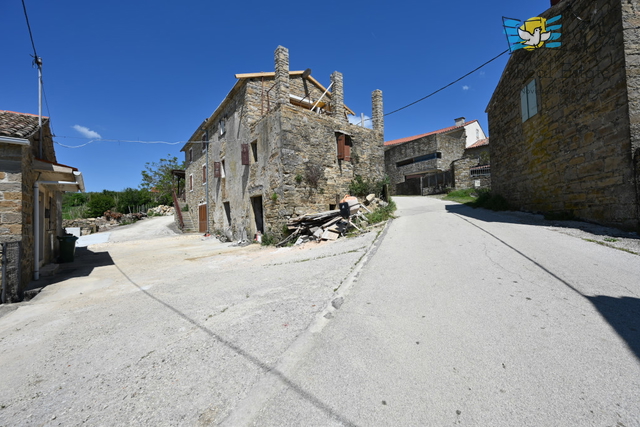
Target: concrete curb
277 378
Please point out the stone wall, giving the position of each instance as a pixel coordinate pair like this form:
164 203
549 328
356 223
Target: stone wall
576 154
450 147
286 143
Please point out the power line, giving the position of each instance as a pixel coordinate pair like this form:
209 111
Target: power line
450 84
362 121
26 16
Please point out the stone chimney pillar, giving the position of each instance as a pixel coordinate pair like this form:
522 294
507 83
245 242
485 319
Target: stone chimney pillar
282 75
377 111
337 97
460 121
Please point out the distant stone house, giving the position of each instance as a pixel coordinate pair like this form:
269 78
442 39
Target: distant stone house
423 164
565 122
279 145
31 185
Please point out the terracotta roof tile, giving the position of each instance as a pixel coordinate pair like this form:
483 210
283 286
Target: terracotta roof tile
18 125
479 143
413 138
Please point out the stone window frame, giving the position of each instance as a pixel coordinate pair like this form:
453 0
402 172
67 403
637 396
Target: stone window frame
190 182
222 126
529 102
204 174
190 154
205 141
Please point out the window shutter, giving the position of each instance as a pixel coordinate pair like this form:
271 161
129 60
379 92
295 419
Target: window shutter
347 148
523 104
245 154
532 99
216 169
340 147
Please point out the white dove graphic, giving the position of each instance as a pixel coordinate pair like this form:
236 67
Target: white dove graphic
535 38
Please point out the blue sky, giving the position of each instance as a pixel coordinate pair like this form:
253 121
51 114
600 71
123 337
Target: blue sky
154 70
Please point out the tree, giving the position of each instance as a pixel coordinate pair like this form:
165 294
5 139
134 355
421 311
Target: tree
99 203
158 179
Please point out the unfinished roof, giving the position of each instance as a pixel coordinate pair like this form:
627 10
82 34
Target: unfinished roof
18 125
435 132
292 73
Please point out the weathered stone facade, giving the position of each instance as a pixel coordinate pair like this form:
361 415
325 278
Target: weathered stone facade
25 165
579 152
424 156
274 157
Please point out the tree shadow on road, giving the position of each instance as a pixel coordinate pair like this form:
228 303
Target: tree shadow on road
622 314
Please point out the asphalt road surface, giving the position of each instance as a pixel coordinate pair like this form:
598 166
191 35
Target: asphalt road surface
450 316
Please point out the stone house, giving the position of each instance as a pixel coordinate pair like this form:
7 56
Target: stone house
423 164
474 169
565 122
31 186
279 145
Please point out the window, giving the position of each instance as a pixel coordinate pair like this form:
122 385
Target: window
205 141
254 150
426 157
190 154
529 101
204 174
191 182
221 125
216 169
222 174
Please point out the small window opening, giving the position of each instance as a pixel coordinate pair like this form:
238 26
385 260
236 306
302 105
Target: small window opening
254 150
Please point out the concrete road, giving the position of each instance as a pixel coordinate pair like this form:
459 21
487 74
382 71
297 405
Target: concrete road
164 330
469 317
452 316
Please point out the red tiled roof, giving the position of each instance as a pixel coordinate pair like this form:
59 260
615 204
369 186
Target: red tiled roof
479 143
18 125
413 138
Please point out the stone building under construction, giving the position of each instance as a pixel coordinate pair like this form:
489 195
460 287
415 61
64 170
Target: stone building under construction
279 145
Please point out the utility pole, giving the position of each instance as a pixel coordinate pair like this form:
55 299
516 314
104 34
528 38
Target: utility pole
206 137
38 62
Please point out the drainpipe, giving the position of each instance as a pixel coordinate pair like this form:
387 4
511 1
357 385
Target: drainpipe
5 249
36 231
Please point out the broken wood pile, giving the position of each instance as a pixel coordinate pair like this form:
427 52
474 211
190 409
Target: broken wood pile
327 225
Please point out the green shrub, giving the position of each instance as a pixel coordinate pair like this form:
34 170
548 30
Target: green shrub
269 239
99 203
361 187
488 200
382 213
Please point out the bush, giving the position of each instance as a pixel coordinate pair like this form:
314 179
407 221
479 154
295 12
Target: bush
486 199
99 203
382 213
360 187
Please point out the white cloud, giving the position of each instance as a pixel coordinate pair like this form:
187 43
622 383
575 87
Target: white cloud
357 120
465 87
86 132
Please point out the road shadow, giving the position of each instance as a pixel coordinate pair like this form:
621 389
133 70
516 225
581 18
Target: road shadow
262 366
85 260
622 314
517 217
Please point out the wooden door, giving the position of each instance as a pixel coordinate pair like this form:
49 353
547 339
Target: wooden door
202 218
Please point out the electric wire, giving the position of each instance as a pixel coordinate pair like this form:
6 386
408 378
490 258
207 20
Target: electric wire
26 16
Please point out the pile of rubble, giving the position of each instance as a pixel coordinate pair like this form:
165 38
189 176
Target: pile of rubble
161 210
330 225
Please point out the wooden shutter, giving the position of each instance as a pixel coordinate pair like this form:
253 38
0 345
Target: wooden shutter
341 139
216 169
245 154
347 148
